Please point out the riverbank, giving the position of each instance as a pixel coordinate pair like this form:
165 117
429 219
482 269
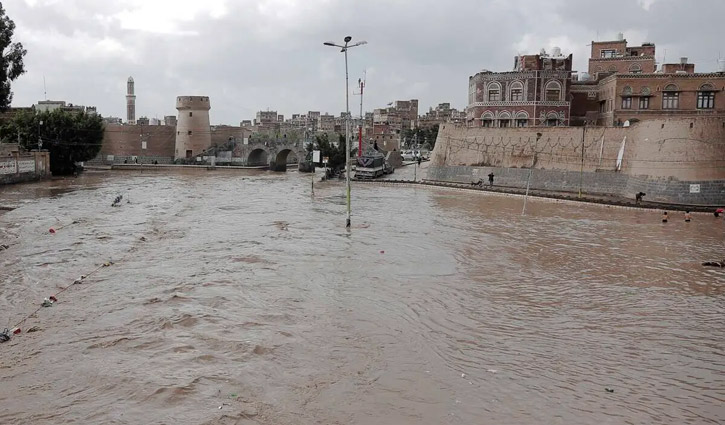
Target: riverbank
563 196
168 166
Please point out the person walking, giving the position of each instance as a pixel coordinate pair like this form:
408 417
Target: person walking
664 217
490 178
688 217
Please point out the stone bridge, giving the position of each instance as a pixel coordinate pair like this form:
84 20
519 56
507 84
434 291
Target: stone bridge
274 154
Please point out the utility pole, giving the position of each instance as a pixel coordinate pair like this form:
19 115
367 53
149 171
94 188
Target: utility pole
531 170
361 82
581 170
40 139
344 50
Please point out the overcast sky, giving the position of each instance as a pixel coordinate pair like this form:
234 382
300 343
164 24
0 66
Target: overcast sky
251 55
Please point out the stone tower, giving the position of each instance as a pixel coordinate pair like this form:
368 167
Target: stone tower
130 102
193 132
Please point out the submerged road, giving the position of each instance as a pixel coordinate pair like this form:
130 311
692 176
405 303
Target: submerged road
241 299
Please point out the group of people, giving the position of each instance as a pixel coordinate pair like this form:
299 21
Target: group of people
688 216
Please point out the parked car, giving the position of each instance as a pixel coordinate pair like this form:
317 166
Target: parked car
408 155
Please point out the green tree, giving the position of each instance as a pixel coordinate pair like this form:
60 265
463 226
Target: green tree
69 137
11 59
335 154
425 137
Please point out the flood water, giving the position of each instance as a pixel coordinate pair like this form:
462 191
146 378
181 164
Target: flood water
249 303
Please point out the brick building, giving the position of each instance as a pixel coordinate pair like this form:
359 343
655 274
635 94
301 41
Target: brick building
536 92
440 114
400 115
616 57
623 92
623 97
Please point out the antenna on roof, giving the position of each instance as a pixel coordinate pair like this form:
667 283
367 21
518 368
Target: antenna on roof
45 92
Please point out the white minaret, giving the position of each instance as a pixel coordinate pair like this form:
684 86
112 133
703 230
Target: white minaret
130 102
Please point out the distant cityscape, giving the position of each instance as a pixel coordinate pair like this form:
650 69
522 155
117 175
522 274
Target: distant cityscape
622 84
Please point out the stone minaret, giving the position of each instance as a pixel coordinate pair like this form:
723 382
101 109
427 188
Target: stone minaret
130 102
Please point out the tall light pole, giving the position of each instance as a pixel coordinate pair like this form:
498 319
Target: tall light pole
344 49
40 137
361 83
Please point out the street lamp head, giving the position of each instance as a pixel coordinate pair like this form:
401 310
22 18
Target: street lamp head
359 43
347 39
328 43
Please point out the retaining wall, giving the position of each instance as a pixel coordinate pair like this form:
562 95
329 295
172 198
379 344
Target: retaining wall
674 160
18 168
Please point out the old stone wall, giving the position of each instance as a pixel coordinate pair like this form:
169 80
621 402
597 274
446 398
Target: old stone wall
124 142
667 159
17 167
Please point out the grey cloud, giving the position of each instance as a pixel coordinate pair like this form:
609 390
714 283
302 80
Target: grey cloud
248 61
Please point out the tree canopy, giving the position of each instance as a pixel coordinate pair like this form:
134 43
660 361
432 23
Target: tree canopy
69 136
423 136
334 153
11 59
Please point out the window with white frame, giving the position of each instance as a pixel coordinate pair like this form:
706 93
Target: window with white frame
706 97
517 92
670 97
644 102
494 92
553 91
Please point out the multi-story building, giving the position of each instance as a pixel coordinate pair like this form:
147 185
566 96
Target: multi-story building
401 114
265 118
112 120
624 92
52 105
170 120
536 92
628 97
325 122
615 57
440 114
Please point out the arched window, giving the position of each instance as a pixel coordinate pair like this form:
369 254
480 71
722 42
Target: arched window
627 97
635 68
504 119
487 119
552 119
706 97
553 91
644 97
522 119
493 92
670 97
516 91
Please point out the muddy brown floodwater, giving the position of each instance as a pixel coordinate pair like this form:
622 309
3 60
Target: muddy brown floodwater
248 303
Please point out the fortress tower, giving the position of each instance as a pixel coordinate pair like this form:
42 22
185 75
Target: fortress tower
193 132
130 102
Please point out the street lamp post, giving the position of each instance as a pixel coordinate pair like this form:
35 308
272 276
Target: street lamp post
40 138
344 49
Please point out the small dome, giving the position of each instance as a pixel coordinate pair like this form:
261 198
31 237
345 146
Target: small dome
130 79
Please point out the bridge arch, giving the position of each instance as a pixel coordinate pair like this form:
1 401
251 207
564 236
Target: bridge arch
282 158
257 156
